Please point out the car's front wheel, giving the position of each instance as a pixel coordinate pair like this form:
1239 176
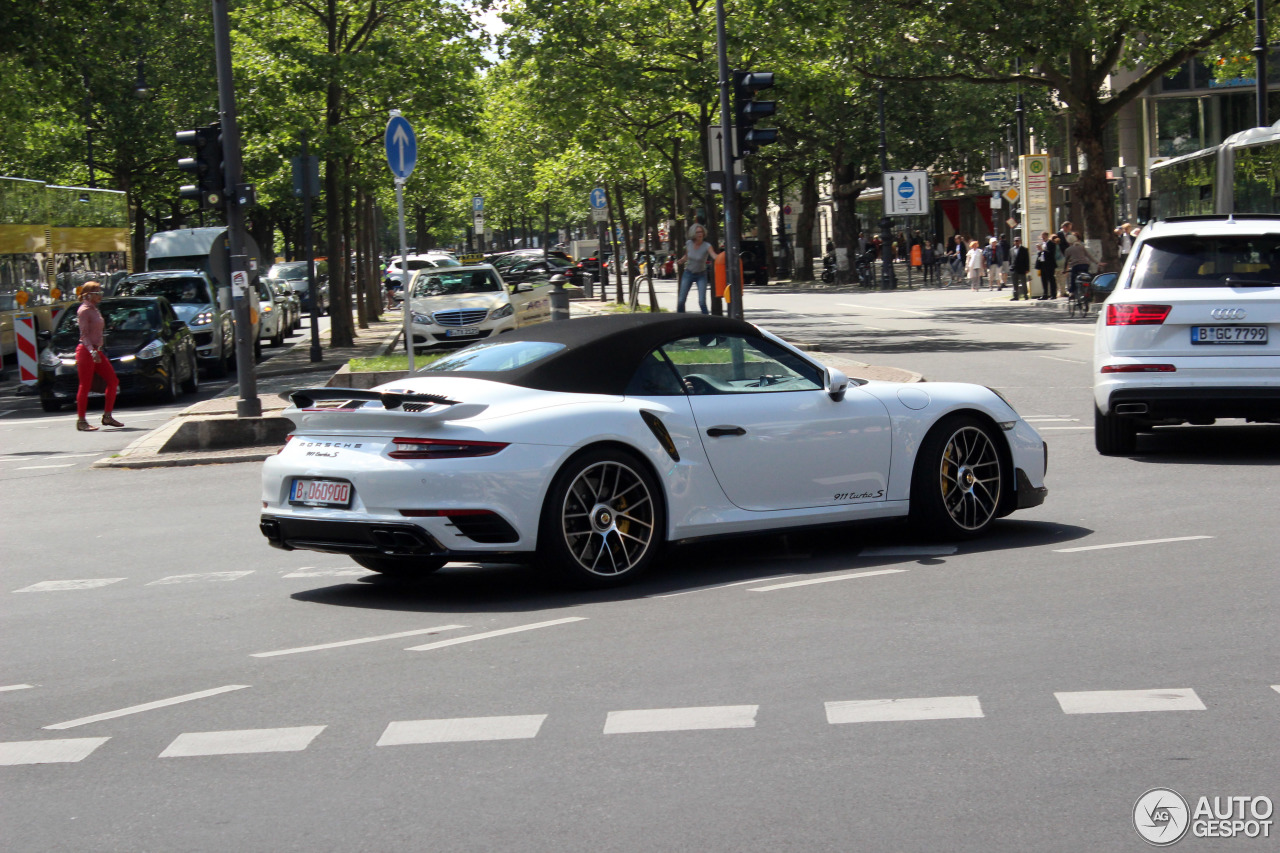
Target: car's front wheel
603 520
169 392
401 567
958 479
1114 435
192 383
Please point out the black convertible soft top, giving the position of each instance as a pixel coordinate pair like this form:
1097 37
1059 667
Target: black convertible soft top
602 353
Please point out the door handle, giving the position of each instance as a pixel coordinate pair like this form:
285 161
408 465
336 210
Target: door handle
716 432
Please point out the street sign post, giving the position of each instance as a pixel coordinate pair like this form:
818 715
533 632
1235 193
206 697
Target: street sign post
402 156
906 193
599 205
477 217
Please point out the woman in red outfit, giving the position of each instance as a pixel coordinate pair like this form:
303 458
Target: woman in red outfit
91 360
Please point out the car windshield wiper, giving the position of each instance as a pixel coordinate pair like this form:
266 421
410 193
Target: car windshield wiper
1231 281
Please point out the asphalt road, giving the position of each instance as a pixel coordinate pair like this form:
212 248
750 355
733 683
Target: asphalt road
171 683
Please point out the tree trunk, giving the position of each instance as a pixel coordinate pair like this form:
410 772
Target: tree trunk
784 263
1093 189
651 243
617 261
627 247
804 226
760 200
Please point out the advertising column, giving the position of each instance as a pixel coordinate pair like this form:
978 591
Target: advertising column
1036 219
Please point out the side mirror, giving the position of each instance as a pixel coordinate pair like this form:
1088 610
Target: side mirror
1104 283
1144 210
178 325
45 337
836 383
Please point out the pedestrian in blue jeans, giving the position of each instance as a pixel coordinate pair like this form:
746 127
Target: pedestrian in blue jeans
697 254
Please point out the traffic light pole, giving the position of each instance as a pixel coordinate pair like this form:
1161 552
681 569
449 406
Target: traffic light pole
732 279
248 406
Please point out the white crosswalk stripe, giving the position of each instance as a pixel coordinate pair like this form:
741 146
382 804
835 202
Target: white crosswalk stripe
895 710
242 742
55 586
1129 701
681 719
61 751
462 729
200 577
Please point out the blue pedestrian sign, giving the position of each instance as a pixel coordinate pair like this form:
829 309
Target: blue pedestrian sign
402 146
906 193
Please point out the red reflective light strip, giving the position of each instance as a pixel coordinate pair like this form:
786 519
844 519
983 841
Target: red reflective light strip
443 513
439 448
1138 368
1137 315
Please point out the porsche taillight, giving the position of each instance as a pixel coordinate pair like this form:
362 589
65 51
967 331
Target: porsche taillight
1124 314
440 448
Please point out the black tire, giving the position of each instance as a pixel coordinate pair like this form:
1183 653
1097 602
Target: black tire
958 484
401 567
169 392
603 521
50 405
191 384
1114 435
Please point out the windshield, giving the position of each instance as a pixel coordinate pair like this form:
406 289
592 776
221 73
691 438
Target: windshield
288 271
128 323
1234 261
436 283
187 290
494 356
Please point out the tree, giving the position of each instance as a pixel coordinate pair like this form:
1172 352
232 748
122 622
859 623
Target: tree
1069 49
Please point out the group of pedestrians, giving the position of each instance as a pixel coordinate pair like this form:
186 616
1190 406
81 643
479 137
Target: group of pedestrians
1061 258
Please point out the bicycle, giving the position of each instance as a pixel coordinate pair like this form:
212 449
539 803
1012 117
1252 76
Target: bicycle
1081 297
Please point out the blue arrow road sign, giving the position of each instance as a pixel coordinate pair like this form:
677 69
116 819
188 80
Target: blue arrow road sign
906 189
402 147
598 199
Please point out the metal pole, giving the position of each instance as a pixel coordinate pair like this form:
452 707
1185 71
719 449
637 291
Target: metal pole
313 292
886 237
732 280
404 274
1260 57
248 406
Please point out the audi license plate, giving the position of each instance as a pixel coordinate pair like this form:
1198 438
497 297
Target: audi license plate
1228 334
461 333
328 493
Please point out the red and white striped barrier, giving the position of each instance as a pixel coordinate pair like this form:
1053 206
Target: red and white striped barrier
24 330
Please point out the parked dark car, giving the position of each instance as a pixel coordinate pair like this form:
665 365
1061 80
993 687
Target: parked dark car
152 351
586 268
755 262
192 295
534 270
293 275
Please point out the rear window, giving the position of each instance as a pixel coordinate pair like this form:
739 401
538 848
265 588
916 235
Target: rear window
178 290
494 356
1232 261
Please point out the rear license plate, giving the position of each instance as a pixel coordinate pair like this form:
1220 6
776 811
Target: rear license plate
461 333
329 493
1228 334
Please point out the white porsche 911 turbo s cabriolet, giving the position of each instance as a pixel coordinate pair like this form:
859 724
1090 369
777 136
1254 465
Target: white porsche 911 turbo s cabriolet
588 445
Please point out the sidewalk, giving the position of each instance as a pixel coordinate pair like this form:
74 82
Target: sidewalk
209 432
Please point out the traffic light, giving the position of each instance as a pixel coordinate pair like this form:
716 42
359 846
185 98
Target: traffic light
206 165
747 111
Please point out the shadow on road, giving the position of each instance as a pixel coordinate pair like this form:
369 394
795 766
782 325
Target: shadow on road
469 588
1233 443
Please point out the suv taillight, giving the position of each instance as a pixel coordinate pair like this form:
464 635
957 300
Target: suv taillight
1137 315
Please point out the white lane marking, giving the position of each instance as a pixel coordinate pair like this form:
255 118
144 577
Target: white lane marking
880 308
1054 329
824 580
64 751
1067 360
681 719
200 577
242 741
9 687
358 642
1129 701
7 412
53 586
487 634
352 572
909 551
461 729
1129 544
38 467
717 586
148 706
1276 687
1060 429
891 710
1045 420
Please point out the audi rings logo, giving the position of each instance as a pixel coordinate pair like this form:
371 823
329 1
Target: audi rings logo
1161 817
1227 313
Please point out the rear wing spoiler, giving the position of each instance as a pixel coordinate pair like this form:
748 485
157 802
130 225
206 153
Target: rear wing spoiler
306 398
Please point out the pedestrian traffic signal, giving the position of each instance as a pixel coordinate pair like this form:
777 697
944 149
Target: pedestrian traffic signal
747 111
206 165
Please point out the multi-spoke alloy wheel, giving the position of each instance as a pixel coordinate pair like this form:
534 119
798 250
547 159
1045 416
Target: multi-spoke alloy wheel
602 520
958 480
